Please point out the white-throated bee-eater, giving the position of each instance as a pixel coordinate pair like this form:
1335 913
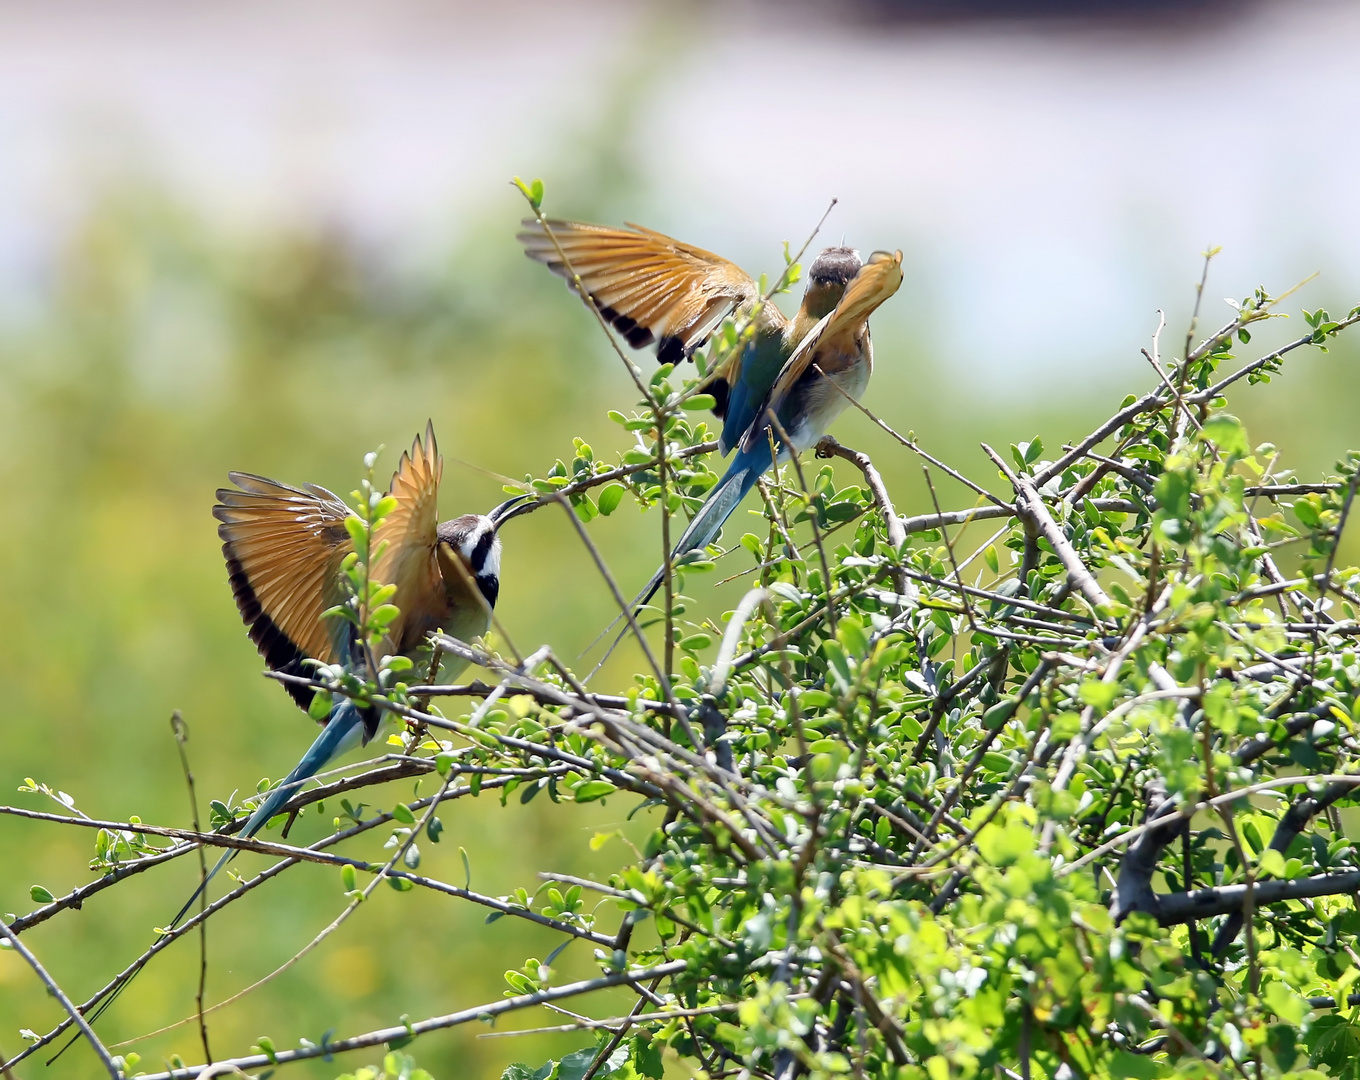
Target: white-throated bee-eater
657 290
802 372
284 547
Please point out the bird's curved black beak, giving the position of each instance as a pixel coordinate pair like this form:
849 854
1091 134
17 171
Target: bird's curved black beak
506 510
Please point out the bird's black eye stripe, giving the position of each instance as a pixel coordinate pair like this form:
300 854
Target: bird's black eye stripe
482 551
490 586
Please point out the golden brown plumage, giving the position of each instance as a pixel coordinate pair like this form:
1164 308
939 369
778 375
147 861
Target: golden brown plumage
284 546
410 533
649 286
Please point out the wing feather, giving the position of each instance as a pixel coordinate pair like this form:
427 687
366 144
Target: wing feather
649 286
410 561
283 546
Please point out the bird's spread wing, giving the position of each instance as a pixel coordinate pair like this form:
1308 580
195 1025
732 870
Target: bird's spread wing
650 287
283 547
878 279
410 532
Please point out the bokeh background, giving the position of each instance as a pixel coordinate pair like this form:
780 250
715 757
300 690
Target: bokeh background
274 236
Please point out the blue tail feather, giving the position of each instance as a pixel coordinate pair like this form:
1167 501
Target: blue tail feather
741 476
746 468
340 732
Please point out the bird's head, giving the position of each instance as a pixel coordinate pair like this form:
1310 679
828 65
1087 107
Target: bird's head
828 276
469 546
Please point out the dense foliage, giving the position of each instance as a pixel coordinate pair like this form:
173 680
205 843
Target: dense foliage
1064 802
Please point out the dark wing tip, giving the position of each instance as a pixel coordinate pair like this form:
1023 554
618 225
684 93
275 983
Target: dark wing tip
721 392
280 652
671 350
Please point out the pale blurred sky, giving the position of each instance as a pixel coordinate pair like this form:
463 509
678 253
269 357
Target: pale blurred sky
1052 183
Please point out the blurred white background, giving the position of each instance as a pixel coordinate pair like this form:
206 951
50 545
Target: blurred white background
1052 180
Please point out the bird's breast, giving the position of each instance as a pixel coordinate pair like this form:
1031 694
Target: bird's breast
839 374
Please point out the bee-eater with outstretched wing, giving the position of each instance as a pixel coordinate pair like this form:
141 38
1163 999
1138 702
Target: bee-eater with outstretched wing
831 366
284 546
654 289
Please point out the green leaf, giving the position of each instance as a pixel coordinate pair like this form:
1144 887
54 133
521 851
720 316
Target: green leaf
590 790
358 534
1332 1041
1227 433
999 713
1284 1003
1134 1066
321 705
402 813
645 1054
434 830
989 556
610 498
1272 862
850 633
348 878
576 1064
699 402
1002 845
39 894
1099 695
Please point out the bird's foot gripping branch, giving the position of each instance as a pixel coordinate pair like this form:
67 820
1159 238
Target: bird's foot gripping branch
1054 783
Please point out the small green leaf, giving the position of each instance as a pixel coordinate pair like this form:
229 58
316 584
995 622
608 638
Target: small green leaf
610 498
1099 695
40 895
1227 433
590 790
1272 863
699 402
402 813
989 556
999 713
358 533
320 706
1284 1003
348 878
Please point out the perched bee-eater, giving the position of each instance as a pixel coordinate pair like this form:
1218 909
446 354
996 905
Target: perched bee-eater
284 546
801 371
830 367
654 289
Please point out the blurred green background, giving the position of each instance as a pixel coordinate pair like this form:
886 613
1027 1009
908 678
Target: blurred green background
155 333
